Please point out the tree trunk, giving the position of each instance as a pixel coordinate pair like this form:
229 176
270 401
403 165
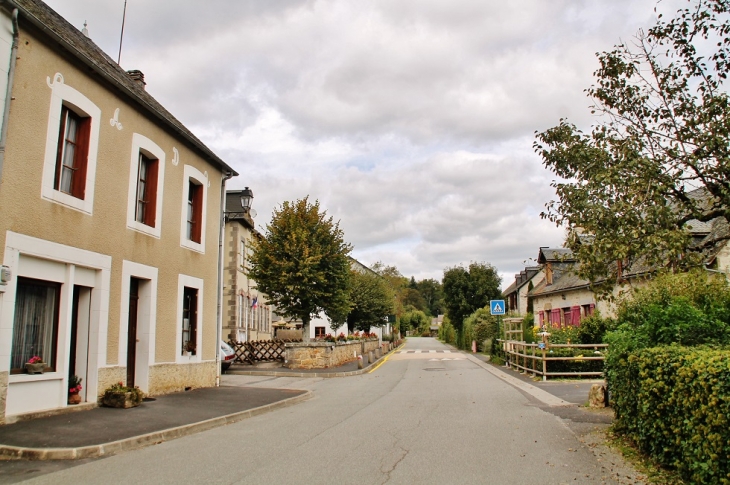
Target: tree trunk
305 329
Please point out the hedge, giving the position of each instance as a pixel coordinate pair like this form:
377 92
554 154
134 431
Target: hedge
674 402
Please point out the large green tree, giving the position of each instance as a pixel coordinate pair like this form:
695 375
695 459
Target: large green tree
468 289
432 292
302 263
371 301
659 156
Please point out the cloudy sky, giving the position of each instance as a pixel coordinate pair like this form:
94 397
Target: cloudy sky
411 121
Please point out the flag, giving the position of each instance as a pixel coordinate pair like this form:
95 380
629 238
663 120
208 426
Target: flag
255 303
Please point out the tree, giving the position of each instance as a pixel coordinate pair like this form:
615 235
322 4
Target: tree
467 290
432 292
411 296
371 300
630 184
302 263
397 282
415 320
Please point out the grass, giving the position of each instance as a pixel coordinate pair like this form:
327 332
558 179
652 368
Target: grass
642 463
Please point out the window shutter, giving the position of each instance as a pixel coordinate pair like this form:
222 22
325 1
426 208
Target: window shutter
150 215
575 315
592 308
555 316
197 212
542 318
81 158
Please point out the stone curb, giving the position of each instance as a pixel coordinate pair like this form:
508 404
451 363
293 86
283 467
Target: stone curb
325 375
105 449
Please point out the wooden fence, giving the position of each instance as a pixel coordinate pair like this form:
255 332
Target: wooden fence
530 358
259 350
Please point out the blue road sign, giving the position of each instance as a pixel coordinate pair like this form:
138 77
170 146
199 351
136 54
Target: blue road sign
496 307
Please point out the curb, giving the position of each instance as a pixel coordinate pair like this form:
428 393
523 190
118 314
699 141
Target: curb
543 396
156 437
325 375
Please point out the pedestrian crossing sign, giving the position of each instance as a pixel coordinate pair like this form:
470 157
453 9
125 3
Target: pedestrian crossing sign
496 307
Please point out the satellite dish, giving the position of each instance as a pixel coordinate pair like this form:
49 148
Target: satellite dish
252 213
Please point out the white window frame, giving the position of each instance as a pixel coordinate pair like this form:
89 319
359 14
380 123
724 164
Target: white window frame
142 144
192 173
197 283
63 94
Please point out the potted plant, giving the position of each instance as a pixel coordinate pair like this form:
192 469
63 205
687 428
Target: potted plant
74 387
35 365
120 396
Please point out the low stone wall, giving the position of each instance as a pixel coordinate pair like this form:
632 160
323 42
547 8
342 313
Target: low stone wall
321 355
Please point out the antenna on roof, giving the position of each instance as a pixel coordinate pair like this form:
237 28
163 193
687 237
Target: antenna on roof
121 36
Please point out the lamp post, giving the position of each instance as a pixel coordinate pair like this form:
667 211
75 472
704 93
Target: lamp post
246 199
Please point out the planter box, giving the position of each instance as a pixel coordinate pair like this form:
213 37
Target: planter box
124 401
35 368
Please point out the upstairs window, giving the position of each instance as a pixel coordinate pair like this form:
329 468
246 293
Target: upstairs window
146 184
72 144
195 209
146 191
193 216
190 321
73 150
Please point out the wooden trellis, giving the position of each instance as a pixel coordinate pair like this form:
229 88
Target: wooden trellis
259 350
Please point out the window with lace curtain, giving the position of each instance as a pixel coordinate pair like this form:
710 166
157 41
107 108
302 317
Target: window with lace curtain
35 327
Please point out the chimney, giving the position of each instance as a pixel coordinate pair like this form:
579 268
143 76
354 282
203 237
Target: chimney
138 77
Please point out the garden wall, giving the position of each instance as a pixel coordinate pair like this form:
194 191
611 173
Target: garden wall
321 355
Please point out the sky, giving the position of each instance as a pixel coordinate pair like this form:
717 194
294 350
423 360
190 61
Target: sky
411 121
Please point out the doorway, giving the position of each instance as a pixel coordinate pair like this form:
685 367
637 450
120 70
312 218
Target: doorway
78 356
132 338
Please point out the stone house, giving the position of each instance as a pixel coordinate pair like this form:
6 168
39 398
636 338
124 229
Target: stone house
109 224
247 316
517 294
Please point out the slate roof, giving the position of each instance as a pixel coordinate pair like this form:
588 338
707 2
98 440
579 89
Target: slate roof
555 255
68 38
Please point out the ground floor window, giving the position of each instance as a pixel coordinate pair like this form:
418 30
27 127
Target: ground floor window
35 328
190 320
318 332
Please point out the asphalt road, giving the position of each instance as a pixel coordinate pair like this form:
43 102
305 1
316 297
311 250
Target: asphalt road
421 417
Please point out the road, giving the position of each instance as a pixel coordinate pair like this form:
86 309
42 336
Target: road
422 417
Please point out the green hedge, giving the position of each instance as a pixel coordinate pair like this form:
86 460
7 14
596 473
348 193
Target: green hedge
674 402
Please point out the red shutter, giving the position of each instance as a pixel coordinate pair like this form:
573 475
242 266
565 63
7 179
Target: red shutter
575 315
197 211
150 214
81 158
542 319
555 316
592 309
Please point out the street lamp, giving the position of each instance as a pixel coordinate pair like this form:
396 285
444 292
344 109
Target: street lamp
246 199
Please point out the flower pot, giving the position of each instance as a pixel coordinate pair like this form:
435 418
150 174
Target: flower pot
74 398
120 400
35 368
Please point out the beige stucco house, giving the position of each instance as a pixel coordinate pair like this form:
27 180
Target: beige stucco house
109 224
247 316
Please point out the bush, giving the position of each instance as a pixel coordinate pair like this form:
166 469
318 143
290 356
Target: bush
528 328
484 326
674 402
447 332
593 329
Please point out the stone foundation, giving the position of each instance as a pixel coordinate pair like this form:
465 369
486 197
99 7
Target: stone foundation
165 378
3 394
322 355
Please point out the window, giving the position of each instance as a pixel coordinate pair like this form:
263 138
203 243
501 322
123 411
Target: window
146 191
35 328
72 142
242 255
195 204
146 183
318 332
193 218
190 321
73 149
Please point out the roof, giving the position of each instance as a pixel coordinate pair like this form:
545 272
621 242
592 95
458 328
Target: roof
567 281
69 38
510 289
234 211
555 255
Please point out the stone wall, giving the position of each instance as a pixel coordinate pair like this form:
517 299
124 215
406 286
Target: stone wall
321 355
3 394
165 378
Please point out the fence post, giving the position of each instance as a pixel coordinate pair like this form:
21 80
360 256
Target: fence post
544 365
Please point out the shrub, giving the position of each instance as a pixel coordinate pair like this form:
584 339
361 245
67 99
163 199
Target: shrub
484 326
674 402
447 332
528 328
593 329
